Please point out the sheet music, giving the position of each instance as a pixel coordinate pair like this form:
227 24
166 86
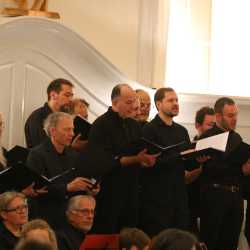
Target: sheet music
216 141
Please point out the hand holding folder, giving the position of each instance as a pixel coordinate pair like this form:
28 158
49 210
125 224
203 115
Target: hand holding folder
211 146
20 177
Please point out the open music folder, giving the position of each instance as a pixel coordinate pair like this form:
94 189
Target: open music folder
20 176
82 126
154 148
16 155
210 146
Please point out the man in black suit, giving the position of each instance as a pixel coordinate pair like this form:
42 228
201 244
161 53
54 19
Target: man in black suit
54 157
80 216
221 196
112 136
163 192
60 93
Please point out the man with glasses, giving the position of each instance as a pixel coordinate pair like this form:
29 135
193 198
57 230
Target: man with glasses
80 216
13 214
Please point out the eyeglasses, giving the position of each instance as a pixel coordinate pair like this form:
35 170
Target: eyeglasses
83 212
18 209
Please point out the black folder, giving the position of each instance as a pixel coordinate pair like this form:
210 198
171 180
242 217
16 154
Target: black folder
154 148
81 126
20 176
16 155
194 154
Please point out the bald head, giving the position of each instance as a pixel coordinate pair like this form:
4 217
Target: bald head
123 99
145 104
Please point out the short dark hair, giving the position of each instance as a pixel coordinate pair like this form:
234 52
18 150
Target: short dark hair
221 102
56 85
116 91
160 94
174 239
201 113
133 237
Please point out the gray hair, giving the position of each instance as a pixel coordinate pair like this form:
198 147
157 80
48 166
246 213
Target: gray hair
73 202
39 224
7 197
52 120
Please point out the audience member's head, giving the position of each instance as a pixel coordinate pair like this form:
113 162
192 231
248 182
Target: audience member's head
145 104
123 99
60 128
80 212
60 93
13 210
133 239
175 239
204 119
226 113
27 244
80 107
39 230
166 102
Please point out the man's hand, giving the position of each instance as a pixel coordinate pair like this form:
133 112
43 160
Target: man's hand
79 184
147 160
246 167
191 176
94 191
31 192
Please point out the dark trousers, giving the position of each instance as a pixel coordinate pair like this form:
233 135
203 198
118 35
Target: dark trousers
247 225
116 206
221 218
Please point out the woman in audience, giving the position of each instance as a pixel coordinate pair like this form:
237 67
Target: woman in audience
39 230
175 239
13 215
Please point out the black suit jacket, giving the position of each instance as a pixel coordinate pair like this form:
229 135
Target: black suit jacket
69 238
45 160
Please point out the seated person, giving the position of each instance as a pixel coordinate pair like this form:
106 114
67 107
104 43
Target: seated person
80 217
175 239
13 214
133 239
27 244
39 230
51 158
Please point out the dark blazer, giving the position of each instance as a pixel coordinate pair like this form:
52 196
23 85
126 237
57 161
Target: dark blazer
69 238
34 132
45 160
7 239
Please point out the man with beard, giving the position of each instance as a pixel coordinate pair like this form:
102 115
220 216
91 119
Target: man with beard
163 192
60 93
221 198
